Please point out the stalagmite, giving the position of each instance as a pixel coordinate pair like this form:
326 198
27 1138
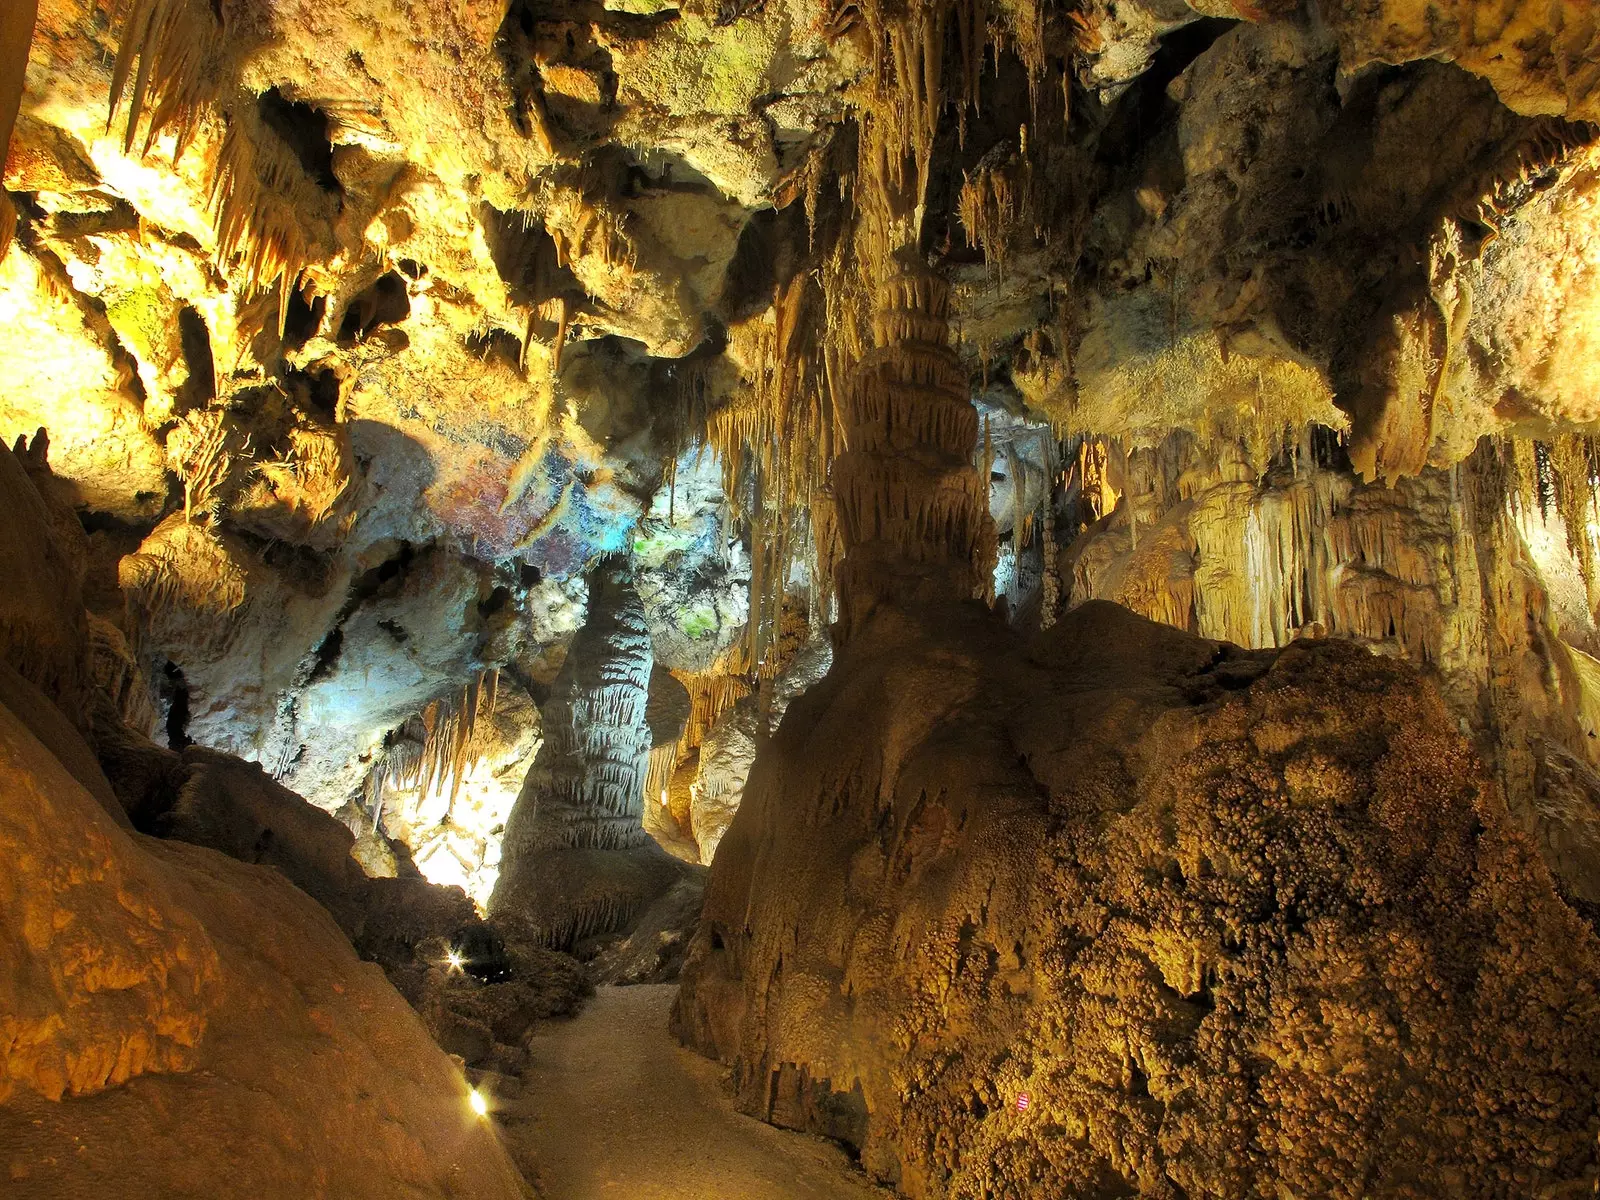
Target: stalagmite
576 860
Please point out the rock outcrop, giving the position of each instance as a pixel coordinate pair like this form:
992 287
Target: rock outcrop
1121 910
1440 570
152 990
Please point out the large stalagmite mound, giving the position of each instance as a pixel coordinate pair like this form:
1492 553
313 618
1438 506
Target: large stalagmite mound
1124 911
211 1028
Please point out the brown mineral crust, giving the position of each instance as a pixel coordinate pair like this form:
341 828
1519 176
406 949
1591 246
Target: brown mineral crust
174 1023
1233 922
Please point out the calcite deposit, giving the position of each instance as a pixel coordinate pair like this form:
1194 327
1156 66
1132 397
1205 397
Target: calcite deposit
164 990
1118 910
509 470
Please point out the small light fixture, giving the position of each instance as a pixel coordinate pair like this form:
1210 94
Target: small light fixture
663 797
453 957
479 1102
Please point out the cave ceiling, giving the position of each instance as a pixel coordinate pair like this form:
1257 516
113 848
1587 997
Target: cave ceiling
363 332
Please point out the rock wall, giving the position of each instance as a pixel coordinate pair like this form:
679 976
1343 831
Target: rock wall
730 746
1118 910
1466 573
179 1024
286 344
43 631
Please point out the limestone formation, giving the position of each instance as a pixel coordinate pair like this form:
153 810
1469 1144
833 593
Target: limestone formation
152 989
453 439
730 746
913 515
576 860
1120 910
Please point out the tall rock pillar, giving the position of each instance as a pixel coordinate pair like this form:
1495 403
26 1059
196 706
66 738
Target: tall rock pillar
913 512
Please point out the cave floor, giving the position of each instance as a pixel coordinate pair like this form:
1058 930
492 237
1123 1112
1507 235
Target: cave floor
613 1106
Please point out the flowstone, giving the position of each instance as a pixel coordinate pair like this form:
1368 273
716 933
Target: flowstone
1120 910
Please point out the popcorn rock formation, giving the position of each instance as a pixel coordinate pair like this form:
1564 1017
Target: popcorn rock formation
1233 922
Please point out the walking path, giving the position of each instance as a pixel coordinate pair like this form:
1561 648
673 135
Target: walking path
612 1106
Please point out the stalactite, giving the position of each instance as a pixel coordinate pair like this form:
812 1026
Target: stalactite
781 436
804 183
260 198
913 512
174 42
437 747
1526 493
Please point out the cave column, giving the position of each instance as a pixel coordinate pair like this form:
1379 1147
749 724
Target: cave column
914 514
576 859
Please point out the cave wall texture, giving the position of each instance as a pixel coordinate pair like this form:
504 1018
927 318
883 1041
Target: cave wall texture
186 1015
356 407
1234 923
211 1026
488 420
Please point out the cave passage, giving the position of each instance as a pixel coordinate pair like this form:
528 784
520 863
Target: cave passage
613 1106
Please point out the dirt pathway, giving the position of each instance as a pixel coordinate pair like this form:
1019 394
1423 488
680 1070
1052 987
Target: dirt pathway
614 1107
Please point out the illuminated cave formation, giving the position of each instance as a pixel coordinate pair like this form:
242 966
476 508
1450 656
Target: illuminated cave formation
1021 575
576 860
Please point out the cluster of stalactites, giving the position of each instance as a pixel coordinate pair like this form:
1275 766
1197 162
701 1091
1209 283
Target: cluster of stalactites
996 201
711 694
900 118
913 512
588 918
781 439
436 748
1562 476
1261 556
173 41
261 196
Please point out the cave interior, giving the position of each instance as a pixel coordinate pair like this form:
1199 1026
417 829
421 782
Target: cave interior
1010 588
